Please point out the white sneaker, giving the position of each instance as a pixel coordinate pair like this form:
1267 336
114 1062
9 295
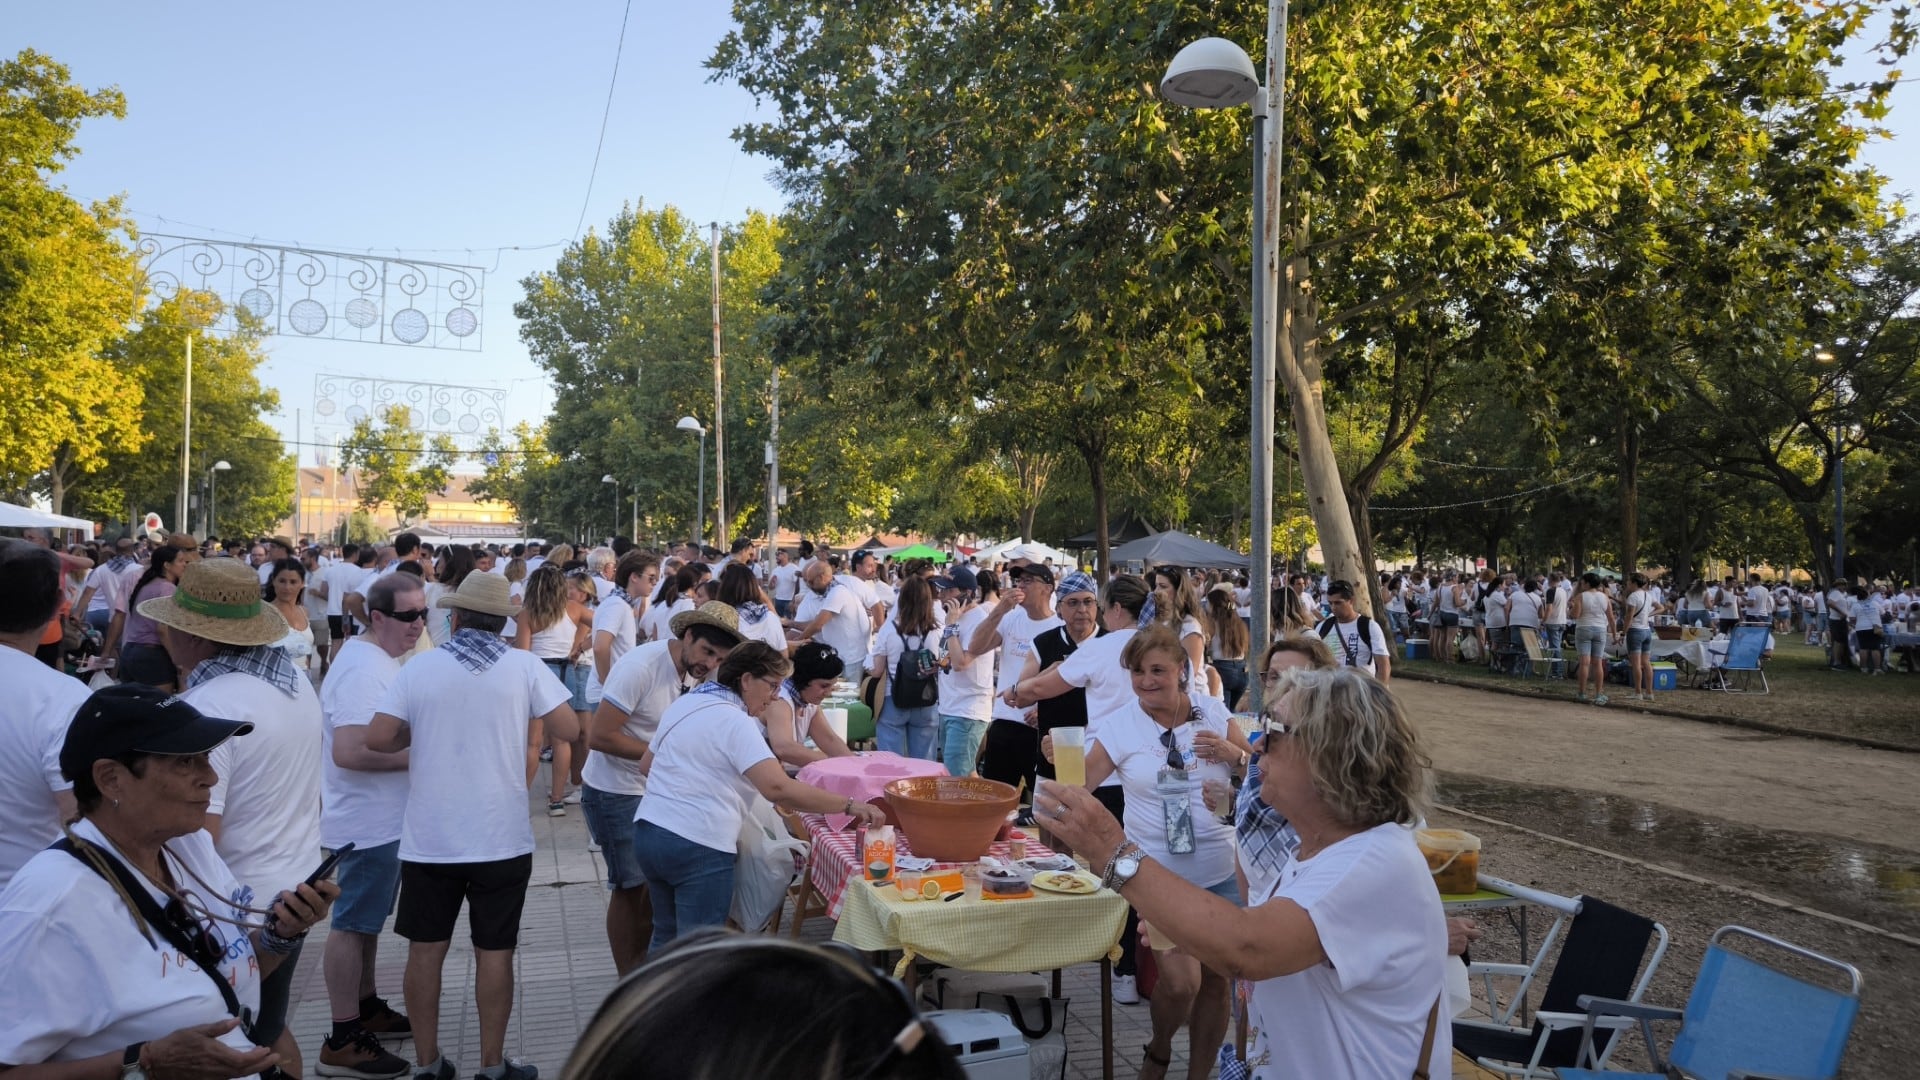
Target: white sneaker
593 845
573 797
1125 990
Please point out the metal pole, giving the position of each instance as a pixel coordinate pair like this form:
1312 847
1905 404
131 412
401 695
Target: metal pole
213 498
613 521
700 508
773 477
719 421
1268 109
633 504
186 439
1839 502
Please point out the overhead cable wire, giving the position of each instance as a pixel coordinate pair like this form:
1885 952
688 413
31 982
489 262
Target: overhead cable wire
618 48
1480 502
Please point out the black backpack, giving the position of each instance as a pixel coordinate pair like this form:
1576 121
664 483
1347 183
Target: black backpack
1364 628
913 675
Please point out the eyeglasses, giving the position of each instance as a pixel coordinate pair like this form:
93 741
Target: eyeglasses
404 616
1174 758
1276 727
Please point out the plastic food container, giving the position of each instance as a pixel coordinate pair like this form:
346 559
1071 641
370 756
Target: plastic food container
1454 858
1005 882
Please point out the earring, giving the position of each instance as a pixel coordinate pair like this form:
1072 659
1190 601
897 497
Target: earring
116 804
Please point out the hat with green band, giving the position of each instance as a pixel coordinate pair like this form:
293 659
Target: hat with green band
219 599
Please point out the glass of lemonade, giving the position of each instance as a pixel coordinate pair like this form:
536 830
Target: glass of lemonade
1070 755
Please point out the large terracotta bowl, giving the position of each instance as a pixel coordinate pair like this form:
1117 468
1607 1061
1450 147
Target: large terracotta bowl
951 818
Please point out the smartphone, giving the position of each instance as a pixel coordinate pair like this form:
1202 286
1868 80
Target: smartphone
327 865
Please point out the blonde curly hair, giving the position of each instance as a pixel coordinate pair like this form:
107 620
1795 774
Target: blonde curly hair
1364 754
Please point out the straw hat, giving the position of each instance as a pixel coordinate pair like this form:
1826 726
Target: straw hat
712 613
485 593
219 599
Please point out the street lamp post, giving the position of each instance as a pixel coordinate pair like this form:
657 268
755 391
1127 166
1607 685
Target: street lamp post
688 423
613 523
1839 480
212 503
1214 73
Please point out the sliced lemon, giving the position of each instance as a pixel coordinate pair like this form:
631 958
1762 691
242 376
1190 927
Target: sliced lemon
930 890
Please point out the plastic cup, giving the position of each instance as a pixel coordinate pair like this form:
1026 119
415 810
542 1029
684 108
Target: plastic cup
1070 755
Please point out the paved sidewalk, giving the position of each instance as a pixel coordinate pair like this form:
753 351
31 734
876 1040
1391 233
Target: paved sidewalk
563 970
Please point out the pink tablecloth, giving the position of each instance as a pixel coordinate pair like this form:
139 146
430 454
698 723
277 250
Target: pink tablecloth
834 857
863 778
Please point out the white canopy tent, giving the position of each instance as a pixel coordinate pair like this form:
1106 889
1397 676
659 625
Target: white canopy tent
14 516
1022 549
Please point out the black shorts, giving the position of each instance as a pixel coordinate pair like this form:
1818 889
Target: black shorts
1867 640
336 625
494 892
1010 753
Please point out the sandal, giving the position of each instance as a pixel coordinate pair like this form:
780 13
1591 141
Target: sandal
1153 1068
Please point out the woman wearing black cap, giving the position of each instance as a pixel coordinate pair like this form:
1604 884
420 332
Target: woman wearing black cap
129 948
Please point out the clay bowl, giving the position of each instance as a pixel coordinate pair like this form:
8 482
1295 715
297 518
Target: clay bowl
951 818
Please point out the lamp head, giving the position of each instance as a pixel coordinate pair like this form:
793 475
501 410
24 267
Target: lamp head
1212 73
221 466
608 479
688 423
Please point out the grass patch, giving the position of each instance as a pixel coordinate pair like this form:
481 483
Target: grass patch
1806 696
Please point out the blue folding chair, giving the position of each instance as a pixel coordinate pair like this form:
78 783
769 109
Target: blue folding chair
1745 1020
1743 659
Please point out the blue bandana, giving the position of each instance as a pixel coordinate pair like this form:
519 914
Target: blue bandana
476 650
268 663
752 611
1077 582
722 692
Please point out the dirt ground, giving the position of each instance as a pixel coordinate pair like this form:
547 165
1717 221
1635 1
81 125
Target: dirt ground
1564 769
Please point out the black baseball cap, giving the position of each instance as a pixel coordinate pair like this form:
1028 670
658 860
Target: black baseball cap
128 719
1034 570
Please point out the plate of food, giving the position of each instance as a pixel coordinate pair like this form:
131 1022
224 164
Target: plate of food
1072 882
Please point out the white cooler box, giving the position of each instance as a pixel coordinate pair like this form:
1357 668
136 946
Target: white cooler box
986 1042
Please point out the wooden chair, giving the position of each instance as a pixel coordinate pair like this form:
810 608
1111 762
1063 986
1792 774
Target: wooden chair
807 901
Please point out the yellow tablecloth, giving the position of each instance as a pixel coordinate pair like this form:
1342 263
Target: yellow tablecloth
1046 932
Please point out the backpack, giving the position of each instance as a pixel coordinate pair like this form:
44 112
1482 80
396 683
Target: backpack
1364 628
913 675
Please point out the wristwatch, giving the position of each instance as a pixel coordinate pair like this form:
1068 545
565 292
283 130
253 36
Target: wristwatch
130 1063
1124 864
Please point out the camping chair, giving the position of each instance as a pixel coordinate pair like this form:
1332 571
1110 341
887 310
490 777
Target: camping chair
807 900
1536 658
1746 1019
1604 945
1743 659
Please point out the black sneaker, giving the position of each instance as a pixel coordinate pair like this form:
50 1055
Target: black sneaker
1025 818
510 1070
360 1056
446 1071
381 1021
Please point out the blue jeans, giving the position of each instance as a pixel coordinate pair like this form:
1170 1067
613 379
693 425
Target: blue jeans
1553 637
691 884
908 732
610 817
960 743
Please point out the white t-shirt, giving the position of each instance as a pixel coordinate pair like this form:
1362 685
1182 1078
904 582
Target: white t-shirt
698 789
967 691
1496 608
891 644
467 793
1592 609
848 630
1362 1014
1348 649
1759 602
35 710
1729 605
81 979
766 628
1556 613
268 794
641 684
1639 610
1132 739
341 577
1095 666
106 585
658 624
616 620
786 581
1523 609
1017 631
361 808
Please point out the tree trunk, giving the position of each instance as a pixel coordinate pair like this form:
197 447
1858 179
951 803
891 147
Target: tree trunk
1093 451
1818 526
1299 370
1629 499
1026 522
1363 530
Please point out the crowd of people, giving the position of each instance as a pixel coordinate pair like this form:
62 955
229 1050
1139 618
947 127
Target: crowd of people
190 796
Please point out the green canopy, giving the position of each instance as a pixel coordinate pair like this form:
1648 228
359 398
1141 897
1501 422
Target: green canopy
920 551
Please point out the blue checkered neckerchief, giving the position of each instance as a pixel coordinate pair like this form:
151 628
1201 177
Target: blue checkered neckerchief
476 650
619 593
752 612
268 663
1267 839
120 562
723 692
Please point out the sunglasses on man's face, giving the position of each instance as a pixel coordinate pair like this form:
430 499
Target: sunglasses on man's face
404 616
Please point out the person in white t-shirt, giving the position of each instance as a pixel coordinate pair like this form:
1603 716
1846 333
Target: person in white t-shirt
1011 747
1758 607
616 629
640 686
966 681
264 811
675 595
1355 642
833 612
467 710
1638 610
138 760
907 726
786 583
706 762
1347 948
740 590
35 710
363 798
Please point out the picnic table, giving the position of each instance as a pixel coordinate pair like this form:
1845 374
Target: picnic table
1045 933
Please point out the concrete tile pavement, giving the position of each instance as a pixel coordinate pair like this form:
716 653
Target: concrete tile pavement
563 971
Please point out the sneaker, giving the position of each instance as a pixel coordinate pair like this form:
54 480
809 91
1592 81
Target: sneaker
381 1020
1025 819
1601 700
1125 990
446 1070
360 1056
573 797
593 846
546 753
556 808
509 1070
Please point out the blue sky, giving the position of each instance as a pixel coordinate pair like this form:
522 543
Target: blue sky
428 126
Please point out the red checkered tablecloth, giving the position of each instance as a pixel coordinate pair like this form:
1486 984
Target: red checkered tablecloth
835 858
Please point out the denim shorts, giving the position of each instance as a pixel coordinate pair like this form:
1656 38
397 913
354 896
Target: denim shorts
1639 641
1448 619
575 678
610 822
1590 642
369 880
